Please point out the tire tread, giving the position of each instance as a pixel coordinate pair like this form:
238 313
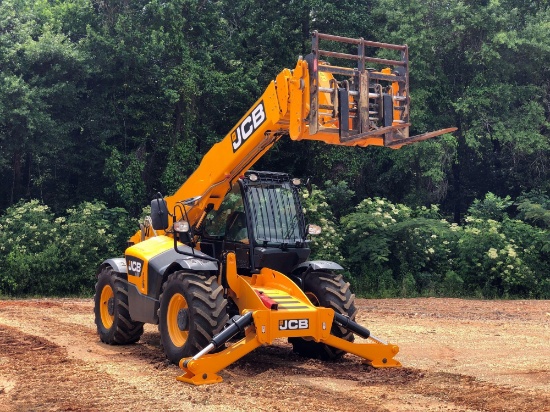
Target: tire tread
333 292
124 330
208 312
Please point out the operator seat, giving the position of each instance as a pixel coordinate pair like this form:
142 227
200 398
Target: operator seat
235 228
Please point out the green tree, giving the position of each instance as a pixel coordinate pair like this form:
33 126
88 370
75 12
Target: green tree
43 77
465 72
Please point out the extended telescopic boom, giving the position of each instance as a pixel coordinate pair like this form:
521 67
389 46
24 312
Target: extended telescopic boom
346 104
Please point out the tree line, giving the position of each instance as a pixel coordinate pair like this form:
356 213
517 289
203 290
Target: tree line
115 100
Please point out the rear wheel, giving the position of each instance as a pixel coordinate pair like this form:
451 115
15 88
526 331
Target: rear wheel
192 310
327 290
112 313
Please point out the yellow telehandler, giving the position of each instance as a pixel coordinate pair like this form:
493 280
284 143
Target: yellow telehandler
224 260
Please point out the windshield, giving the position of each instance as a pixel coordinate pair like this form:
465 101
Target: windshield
275 218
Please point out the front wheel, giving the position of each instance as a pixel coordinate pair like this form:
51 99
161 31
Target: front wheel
327 290
112 313
192 310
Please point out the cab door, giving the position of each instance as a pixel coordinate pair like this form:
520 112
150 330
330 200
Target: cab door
227 229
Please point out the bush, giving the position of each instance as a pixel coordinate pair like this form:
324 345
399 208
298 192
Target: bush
533 247
325 246
490 262
388 249
492 207
41 254
393 250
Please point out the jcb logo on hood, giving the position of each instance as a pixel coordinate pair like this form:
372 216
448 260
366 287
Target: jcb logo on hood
134 266
248 126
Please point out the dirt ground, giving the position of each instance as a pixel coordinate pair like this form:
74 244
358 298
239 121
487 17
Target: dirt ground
457 355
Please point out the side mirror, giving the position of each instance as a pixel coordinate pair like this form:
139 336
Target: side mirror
159 214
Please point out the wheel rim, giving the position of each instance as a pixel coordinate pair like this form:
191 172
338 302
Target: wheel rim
176 307
106 301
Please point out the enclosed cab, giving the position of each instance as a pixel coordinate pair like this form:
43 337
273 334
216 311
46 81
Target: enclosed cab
261 219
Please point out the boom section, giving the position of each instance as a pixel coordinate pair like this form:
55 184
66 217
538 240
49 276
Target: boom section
342 93
227 160
281 110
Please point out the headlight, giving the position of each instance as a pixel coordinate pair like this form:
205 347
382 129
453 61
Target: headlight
181 226
313 230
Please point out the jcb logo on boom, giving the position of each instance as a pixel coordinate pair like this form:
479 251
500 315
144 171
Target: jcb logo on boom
248 126
134 266
293 324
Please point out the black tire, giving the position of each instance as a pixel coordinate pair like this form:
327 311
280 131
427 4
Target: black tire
192 310
112 313
330 291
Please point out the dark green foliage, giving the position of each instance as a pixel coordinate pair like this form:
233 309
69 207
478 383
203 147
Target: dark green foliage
534 207
42 80
393 250
340 197
118 100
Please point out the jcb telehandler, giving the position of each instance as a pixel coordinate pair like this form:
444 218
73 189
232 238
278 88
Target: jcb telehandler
226 256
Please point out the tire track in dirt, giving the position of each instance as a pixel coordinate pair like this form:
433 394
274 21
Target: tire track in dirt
467 391
464 392
108 371
44 378
47 379
51 359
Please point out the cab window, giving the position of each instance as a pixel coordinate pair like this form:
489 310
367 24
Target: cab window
229 220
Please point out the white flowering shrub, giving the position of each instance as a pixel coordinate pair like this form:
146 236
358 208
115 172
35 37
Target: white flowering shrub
389 249
393 250
41 254
501 259
29 240
325 246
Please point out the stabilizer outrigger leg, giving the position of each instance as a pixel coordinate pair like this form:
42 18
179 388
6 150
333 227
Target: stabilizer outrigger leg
238 324
263 323
203 367
385 351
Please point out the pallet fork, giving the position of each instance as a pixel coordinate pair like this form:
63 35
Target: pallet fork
277 308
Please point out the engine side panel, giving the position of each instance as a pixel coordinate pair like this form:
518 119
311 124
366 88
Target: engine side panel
148 260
